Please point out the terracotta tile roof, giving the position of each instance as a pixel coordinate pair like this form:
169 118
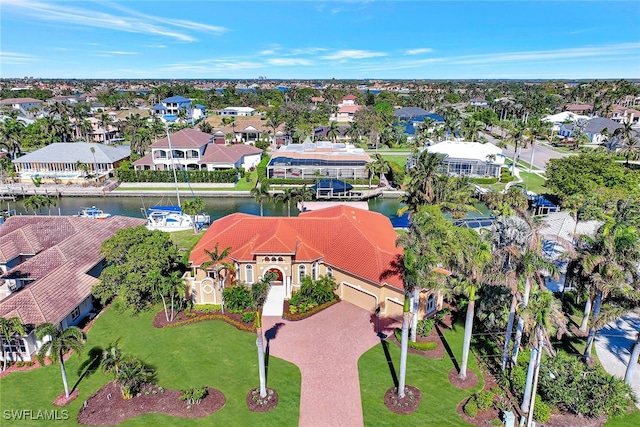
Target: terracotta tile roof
59 269
146 160
216 153
350 97
349 108
356 241
184 138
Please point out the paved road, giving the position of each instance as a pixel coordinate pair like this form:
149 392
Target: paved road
326 347
613 346
542 153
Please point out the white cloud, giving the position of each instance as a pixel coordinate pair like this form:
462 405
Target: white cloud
289 61
418 51
12 58
353 54
131 21
121 52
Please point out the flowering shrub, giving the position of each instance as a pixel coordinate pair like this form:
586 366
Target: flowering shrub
293 313
214 316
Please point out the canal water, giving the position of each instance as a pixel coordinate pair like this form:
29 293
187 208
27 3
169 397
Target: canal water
216 207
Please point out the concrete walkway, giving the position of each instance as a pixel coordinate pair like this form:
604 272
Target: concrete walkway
326 347
613 346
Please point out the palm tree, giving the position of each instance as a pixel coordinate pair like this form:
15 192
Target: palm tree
59 344
112 358
287 196
471 271
194 207
410 267
9 327
333 131
11 131
259 292
37 202
132 374
274 123
419 190
215 263
261 192
353 132
301 195
105 121
633 361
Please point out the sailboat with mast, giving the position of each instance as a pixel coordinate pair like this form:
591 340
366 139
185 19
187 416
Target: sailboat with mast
172 218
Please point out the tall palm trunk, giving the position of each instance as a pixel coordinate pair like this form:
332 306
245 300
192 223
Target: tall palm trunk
587 313
404 347
414 310
261 367
64 375
518 337
526 398
633 362
536 374
592 331
468 326
507 335
221 287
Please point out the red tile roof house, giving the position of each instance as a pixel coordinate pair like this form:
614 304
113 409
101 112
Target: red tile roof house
49 265
194 150
355 246
250 131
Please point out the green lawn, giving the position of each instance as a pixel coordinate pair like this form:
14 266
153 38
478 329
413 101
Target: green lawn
395 158
185 240
439 398
533 182
244 185
209 353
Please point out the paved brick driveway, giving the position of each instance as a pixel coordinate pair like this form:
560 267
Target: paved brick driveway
326 347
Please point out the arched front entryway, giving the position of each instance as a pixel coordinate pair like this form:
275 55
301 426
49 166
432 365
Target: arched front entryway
273 306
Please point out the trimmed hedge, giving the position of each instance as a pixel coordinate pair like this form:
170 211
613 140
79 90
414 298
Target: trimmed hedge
421 346
214 316
484 180
228 176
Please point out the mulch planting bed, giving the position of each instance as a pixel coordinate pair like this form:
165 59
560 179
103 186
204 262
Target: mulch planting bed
256 403
63 400
483 418
160 319
107 407
408 404
470 382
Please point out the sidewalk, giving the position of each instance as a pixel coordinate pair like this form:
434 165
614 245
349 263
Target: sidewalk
613 346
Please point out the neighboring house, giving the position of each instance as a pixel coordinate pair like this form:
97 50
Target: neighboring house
478 102
593 128
188 147
49 265
24 105
231 157
195 150
170 109
96 108
566 117
622 114
412 126
323 158
346 109
473 159
61 160
100 133
237 111
356 247
250 131
579 108
70 100
409 113
562 226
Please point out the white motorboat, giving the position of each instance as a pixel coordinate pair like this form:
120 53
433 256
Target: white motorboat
93 213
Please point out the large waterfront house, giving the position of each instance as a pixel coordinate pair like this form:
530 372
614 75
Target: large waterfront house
322 158
249 131
70 162
49 265
23 105
346 109
472 159
356 247
192 149
178 109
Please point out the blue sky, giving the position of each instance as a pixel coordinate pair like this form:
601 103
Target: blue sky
316 39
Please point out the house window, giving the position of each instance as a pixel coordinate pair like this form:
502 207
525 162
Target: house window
266 259
329 272
75 313
302 271
248 271
20 345
431 303
314 271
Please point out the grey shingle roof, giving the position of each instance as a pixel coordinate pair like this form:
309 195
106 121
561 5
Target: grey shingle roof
72 152
596 125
